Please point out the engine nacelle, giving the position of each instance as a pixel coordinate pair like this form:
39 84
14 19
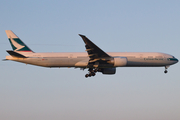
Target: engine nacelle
108 70
119 61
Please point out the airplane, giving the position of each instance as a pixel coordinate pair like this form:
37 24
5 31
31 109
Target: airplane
94 59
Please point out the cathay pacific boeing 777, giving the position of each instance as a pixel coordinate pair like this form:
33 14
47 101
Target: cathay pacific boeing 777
95 59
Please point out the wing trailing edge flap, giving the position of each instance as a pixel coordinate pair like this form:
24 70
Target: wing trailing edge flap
94 52
15 54
99 59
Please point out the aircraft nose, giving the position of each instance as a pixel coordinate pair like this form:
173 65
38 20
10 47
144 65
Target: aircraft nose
177 60
174 60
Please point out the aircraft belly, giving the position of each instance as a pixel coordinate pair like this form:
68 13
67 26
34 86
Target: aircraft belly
54 62
146 63
45 62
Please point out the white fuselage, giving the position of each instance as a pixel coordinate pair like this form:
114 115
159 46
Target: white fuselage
81 59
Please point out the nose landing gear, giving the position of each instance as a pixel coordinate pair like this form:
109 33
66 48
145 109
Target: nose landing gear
166 67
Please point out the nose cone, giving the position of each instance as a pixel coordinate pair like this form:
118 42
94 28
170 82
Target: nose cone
175 60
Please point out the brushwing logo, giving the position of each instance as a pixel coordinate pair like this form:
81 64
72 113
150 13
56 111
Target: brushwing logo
17 45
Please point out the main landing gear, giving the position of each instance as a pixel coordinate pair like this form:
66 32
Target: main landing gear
92 72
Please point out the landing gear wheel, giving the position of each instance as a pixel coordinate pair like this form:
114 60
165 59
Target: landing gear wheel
165 71
93 74
86 75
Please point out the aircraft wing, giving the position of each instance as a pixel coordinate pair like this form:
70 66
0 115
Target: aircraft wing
94 52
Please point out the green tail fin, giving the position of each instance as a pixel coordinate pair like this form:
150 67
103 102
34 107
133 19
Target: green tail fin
16 42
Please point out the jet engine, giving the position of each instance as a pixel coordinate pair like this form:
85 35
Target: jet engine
108 70
118 61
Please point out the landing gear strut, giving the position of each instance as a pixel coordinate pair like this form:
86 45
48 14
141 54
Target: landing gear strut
166 67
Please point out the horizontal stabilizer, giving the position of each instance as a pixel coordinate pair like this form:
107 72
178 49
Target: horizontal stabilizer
4 59
15 54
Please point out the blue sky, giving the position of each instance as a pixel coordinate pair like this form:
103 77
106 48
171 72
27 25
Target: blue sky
31 92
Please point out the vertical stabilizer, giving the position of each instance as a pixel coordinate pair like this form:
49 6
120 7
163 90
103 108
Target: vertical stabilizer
16 43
